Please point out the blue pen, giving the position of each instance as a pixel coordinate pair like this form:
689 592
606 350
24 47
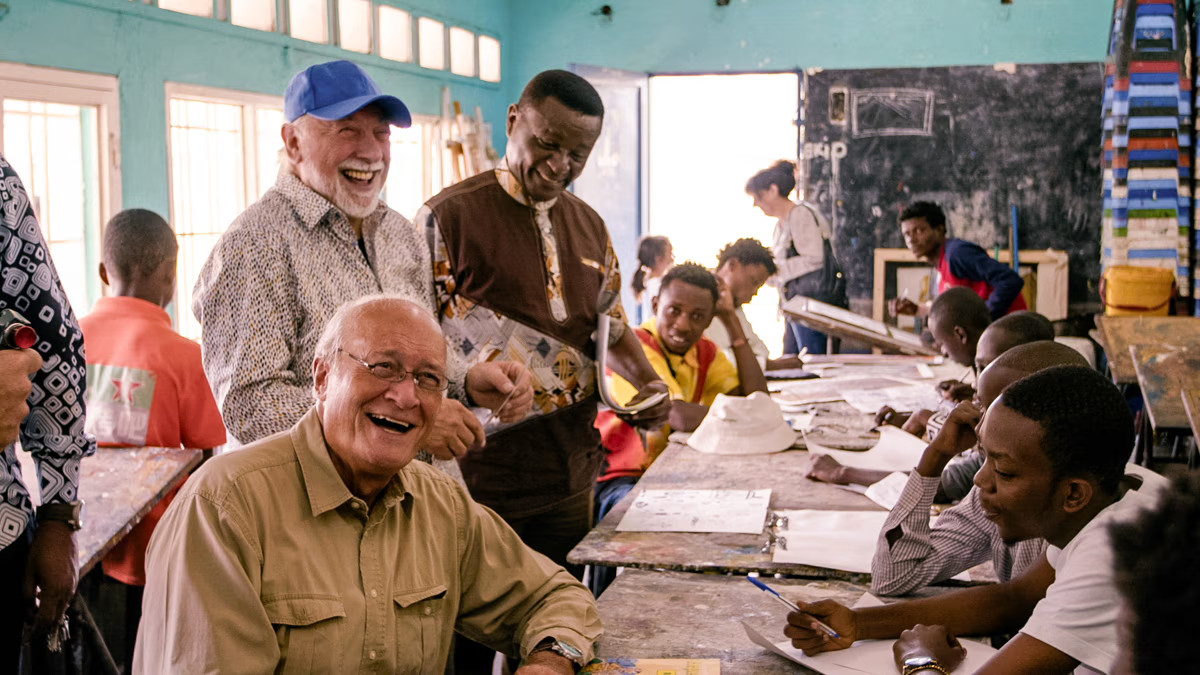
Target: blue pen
791 605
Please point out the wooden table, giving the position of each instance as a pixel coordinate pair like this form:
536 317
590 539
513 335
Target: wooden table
1191 404
682 615
119 487
1163 370
1118 333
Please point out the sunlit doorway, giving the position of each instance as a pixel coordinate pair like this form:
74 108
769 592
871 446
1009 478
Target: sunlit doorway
707 135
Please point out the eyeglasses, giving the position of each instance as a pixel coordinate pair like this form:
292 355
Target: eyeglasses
390 371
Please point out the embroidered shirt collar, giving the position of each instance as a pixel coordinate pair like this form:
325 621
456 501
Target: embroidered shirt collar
312 209
512 185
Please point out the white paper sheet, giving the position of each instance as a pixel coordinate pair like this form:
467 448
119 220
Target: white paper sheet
838 540
897 450
901 399
887 491
737 511
870 657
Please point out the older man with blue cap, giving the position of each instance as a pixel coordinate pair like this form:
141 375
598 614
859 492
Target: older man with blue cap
321 237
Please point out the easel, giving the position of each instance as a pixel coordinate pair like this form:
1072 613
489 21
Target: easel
467 140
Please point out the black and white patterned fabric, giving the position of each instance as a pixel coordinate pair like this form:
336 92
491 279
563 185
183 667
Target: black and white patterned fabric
53 431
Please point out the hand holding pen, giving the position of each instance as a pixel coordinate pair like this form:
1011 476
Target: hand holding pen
798 614
809 627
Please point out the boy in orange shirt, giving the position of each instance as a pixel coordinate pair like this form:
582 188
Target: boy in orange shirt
146 384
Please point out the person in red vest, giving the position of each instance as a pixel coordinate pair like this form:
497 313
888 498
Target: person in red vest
958 263
695 370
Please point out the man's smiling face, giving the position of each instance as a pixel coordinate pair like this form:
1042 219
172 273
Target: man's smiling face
375 427
345 161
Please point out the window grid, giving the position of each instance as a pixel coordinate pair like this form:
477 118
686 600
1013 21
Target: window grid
360 26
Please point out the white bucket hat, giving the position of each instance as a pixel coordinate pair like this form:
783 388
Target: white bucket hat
743 425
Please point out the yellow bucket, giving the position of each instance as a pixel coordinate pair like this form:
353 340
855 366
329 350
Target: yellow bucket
1130 291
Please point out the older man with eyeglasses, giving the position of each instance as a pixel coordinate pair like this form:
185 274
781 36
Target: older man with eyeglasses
327 549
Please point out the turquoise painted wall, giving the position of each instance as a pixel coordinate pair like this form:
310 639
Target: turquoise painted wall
147 46
691 36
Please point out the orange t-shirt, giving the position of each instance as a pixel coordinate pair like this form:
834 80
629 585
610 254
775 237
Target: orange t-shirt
146 387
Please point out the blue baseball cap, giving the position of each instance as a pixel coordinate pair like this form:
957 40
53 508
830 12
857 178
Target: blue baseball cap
336 90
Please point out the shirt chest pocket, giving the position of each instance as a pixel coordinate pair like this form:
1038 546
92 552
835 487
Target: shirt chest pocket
424 623
309 632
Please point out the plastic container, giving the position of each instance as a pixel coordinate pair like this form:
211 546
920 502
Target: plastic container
1126 290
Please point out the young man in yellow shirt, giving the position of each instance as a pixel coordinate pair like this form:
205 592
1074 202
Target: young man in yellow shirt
693 367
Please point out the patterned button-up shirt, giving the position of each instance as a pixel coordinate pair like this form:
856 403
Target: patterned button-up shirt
53 431
562 375
275 279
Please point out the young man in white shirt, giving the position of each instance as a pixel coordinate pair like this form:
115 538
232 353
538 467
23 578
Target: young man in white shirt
1056 444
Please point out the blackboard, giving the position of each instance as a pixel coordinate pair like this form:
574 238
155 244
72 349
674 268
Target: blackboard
975 139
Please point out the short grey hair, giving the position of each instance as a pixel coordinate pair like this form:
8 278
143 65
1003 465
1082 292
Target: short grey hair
331 337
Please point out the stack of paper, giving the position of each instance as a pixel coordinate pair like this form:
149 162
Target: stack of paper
897 450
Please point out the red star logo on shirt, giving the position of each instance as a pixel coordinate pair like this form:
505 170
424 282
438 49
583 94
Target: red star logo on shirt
124 389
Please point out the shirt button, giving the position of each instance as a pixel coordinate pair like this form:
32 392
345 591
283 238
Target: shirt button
356 506
428 610
374 593
371 654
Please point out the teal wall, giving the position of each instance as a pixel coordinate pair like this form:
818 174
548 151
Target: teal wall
696 36
146 46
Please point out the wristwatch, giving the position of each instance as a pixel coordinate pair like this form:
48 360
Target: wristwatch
567 651
62 512
922 664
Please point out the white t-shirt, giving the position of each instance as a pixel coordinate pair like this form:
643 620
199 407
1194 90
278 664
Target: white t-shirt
717 332
1078 616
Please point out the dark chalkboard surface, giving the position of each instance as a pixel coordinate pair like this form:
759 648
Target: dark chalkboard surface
975 139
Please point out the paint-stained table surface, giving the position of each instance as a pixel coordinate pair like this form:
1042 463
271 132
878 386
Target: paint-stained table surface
1163 370
1118 333
1191 405
682 615
119 487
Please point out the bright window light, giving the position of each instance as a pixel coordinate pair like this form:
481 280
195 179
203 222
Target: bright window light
462 51
270 142
757 129
489 59
395 34
354 25
257 14
308 20
196 7
431 41
405 185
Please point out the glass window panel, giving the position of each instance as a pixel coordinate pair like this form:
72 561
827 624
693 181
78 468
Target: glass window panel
354 25
395 33
54 151
258 14
269 121
308 20
462 51
431 43
489 58
196 7
405 182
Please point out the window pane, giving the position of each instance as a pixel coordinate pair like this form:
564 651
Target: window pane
462 51
395 34
54 149
308 19
489 58
405 183
431 39
197 7
258 14
270 142
207 188
354 25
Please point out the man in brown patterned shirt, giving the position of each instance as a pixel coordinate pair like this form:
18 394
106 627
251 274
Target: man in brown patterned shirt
317 239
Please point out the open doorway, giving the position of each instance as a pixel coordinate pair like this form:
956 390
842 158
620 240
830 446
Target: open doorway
707 135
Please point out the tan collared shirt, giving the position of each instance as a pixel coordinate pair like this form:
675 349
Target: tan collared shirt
266 562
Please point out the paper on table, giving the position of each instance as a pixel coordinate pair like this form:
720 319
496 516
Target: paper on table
897 450
735 511
864 656
816 391
887 491
901 399
837 540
